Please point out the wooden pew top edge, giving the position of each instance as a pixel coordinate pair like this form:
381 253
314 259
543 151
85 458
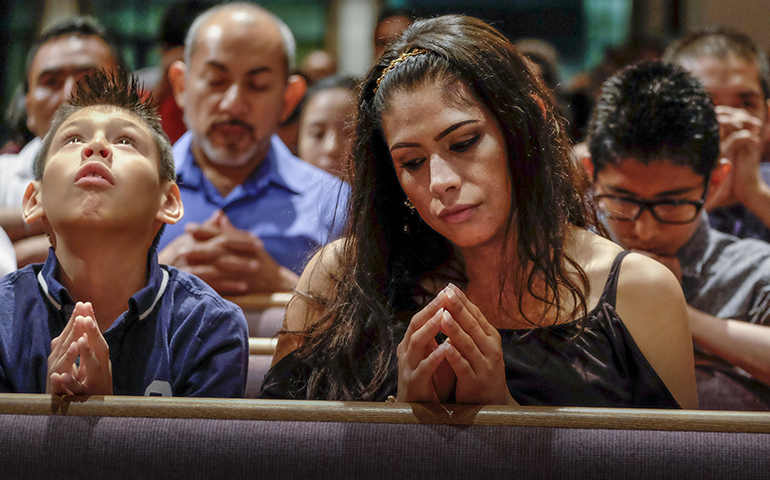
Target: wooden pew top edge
262 345
370 412
261 301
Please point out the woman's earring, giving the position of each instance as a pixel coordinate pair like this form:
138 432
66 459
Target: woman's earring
409 204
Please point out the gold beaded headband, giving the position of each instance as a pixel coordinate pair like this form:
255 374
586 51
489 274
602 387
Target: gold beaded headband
394 63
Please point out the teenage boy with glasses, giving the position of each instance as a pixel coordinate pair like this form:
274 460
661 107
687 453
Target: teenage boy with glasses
654 144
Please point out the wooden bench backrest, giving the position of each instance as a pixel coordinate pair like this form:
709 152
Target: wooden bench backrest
368 412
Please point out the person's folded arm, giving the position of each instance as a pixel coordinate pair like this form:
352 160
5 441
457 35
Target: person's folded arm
745 345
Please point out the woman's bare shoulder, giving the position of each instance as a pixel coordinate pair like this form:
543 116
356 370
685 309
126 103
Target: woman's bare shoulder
325 266
318 280
591 251
594 255
642 276
652 306
317 283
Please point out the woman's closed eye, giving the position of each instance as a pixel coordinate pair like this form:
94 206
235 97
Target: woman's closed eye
413 164
464 145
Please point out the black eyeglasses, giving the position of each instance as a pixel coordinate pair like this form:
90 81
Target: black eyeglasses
627 209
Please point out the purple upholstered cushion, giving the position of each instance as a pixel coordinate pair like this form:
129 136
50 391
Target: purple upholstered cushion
102 447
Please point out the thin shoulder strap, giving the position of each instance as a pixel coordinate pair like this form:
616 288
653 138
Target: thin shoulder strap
611 287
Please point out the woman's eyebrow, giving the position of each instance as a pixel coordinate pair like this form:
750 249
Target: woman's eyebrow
438 137
452 129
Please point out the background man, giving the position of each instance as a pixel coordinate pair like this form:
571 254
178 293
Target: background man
63 54
735 72
254 211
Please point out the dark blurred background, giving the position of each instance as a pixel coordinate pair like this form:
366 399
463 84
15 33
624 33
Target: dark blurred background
585 33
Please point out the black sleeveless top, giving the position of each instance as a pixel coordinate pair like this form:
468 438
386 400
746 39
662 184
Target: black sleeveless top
557 365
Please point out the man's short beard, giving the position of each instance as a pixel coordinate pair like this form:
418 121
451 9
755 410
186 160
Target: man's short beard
221 156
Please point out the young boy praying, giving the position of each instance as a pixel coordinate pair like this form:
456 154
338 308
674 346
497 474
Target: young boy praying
101 316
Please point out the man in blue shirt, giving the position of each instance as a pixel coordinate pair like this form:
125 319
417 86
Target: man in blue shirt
101 316
254 211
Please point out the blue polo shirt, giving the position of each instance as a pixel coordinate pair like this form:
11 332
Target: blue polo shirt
177 338
292 206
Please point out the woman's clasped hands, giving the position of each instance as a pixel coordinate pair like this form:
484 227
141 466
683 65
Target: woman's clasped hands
469 362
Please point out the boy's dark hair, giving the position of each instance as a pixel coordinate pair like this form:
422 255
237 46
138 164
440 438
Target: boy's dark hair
653 111
719 42
76 26
121 90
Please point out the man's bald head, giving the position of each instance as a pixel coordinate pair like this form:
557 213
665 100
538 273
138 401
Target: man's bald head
248 11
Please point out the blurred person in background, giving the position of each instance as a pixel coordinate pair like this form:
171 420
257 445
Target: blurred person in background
325 125
317 64
16 121
174 25
390 24
63 54
735 71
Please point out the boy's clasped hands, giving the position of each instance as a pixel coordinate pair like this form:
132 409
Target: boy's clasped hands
81 338
469 362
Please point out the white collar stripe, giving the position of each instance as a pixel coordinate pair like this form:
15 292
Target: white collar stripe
43 284
161 290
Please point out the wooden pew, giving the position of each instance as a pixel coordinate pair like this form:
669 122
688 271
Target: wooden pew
261 352
384 412
262 346
139 437
261 301
263 312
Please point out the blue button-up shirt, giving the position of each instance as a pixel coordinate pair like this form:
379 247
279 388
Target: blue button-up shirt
292 206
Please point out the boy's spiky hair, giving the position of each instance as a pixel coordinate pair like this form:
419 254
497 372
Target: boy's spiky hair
118 89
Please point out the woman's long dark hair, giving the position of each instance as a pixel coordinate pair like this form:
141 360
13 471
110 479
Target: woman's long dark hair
350 349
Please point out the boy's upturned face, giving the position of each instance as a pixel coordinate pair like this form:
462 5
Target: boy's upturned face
657 181
102 167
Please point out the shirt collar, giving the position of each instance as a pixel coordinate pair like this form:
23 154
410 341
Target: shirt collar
269 170
140 305
691 255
